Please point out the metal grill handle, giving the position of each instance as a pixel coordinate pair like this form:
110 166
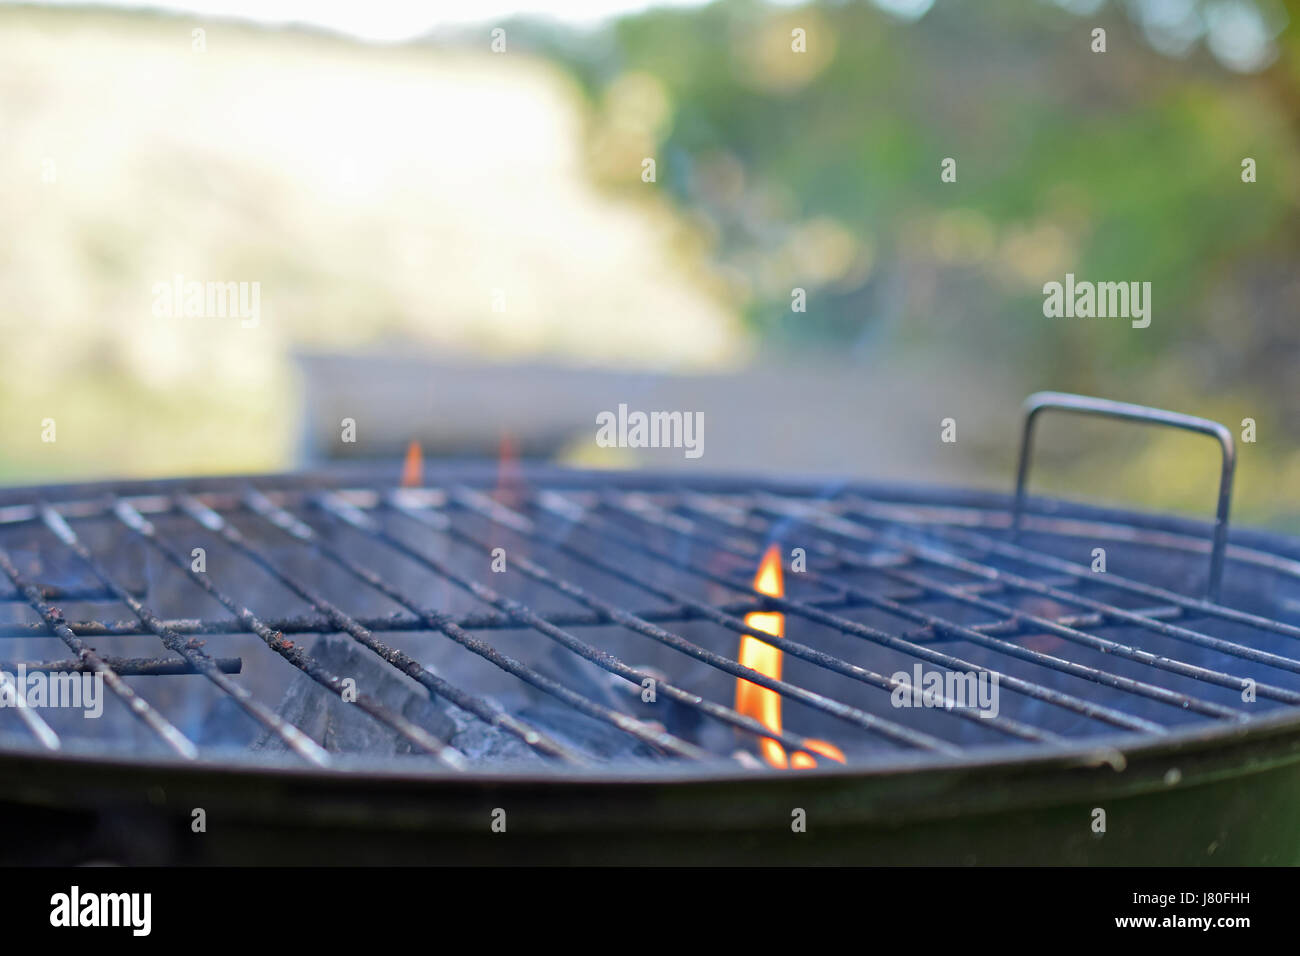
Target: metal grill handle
1103 407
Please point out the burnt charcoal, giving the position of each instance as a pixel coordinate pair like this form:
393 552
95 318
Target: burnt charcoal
677 718
616 693
480 741
585 677
226 724
624 696
585 733
602 687
343 727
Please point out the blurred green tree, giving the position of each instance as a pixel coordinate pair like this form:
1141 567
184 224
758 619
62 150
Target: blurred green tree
820 169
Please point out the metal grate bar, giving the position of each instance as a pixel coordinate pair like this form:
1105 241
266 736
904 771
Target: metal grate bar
138 706
844 625
933 556
54 592
483 620
1098 675
497 621
506 517
864 508
416 736
1067 632
853 715
125 666
1011 626
188 650
299 530
33 721
644 514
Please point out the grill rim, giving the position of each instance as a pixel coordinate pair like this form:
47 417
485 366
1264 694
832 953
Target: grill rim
552 477
1118 753
902 816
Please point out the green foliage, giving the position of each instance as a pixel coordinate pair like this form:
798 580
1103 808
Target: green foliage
1130 160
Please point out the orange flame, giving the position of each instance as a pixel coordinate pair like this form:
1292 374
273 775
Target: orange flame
758 702
510 482
413 466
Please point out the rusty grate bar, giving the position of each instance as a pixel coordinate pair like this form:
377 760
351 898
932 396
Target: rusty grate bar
1098 675
986 545
847 626
509 518
557 507
133 520
1108 611
139 707
125 666
479 621
363 523
299 742
54 592
721 662
298 530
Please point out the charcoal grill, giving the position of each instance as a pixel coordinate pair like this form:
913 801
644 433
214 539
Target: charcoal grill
338 670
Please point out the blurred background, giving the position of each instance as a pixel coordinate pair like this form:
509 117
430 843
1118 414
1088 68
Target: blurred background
454 240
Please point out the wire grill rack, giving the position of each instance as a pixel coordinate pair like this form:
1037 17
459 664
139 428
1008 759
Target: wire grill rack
600 568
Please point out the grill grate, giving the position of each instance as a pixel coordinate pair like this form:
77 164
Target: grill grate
645 580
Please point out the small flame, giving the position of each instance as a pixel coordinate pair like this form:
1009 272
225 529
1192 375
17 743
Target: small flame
413 466
510 482
758 702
